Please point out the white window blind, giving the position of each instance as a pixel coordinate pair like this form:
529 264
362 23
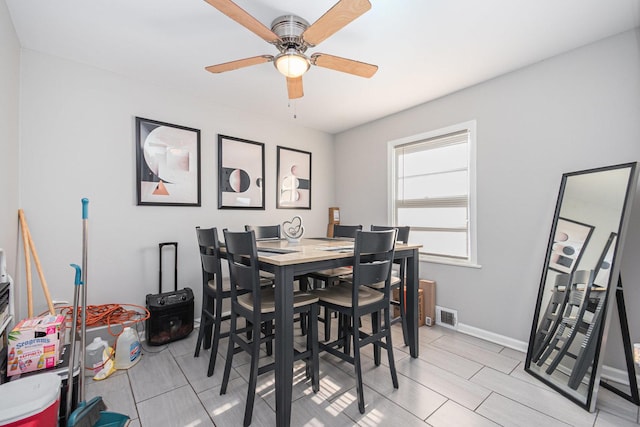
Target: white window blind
432 177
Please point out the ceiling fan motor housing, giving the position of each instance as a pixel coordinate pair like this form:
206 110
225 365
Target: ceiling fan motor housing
290 28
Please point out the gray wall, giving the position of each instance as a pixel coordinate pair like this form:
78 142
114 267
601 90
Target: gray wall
9 106
575 111
77 140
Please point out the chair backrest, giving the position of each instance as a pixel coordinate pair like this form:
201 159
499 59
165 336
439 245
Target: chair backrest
581 282
242 255
210 256
346 230
373 257
265 232
208 239
403 231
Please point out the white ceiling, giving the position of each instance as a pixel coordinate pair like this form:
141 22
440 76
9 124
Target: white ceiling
425 48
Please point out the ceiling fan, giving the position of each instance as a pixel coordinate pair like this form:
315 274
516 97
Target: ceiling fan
292 36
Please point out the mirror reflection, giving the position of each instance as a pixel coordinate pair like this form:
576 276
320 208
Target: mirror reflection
579 272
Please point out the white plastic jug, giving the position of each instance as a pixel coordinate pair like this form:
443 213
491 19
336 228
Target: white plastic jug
127 349
93 356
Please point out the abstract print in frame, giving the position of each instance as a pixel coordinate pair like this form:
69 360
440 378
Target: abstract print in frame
240 173
168 164
294 179
569 242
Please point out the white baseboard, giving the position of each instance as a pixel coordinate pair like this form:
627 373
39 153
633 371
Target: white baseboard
493 337
608 373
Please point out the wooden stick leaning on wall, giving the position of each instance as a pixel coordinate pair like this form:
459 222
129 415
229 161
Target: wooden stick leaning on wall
27 261
28 242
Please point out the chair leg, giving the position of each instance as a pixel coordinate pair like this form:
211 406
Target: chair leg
312 343
327 324
375 327
358 369
217 325
210 302
253 375
230 348
403 314
346 333
204 331
203 322
304 286
392 363
269 331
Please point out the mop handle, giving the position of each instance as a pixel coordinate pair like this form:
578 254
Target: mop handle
74 327
83 322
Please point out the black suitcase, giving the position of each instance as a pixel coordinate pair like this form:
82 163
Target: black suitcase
171 313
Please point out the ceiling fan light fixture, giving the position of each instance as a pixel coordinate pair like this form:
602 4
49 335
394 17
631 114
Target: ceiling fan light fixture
292 64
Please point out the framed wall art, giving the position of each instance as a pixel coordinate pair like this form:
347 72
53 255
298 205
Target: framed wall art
240 173
293 188
167 164
570 239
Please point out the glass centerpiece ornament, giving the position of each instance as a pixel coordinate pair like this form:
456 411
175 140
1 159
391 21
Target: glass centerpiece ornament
293 230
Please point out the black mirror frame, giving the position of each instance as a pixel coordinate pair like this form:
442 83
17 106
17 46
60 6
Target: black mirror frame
594 379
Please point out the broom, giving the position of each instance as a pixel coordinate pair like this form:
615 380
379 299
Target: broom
92 413
86 414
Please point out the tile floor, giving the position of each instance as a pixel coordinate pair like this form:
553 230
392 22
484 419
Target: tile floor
458 380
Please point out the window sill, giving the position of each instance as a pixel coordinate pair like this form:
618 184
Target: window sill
453 262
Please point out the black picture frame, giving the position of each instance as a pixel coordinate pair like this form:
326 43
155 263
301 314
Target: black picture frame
167 164
293 179
240 173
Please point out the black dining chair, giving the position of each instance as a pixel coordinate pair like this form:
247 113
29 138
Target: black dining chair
345 231
373 260
265 232
257 304
398 282
215 289
332 276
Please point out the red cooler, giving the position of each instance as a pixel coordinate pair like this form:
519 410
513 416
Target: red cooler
30 402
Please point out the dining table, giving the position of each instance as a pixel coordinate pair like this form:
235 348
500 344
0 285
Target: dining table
288 260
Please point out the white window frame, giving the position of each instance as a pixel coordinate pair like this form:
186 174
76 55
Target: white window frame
469 126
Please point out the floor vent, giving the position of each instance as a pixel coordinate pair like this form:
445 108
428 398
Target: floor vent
446 317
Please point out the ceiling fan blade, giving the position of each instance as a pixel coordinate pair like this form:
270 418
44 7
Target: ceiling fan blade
240 63
294 87
350 66
243 18
341 14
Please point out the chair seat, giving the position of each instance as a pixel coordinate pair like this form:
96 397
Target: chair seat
333 272
268 304
226 285
267 275
342 295
395 281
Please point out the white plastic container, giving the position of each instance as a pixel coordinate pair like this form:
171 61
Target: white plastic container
93 359
30 401
127 349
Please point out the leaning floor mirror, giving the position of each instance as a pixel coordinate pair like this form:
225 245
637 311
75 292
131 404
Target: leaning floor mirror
579 280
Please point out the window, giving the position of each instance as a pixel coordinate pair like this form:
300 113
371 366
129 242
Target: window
432 188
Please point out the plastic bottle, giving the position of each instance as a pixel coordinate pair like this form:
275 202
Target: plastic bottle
93 359
127 349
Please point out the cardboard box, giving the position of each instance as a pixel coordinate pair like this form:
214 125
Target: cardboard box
428 288
396 309
426 302
35 343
